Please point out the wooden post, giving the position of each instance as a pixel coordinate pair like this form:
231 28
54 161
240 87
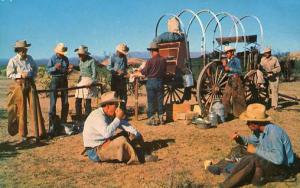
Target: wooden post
35 118
136 95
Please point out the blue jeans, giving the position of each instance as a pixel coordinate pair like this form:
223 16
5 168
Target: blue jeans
59 82
92 154
155 96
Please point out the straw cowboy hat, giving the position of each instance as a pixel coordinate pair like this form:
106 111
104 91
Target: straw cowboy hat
108 97
229 48
82 50
255 112
22 44
267 50
153 46
61 49
123 48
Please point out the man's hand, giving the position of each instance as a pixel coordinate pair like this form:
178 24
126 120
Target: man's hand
119 72
58 66
24 74
120 114
70 67
227 68
251 148
234 136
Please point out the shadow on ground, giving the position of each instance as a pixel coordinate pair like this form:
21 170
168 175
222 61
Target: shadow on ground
159 144
3 113
11 149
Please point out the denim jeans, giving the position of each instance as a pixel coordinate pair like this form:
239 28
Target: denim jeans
119 85
92 154
155 96
59 82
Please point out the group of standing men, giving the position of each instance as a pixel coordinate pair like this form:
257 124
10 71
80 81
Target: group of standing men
23 69
233 97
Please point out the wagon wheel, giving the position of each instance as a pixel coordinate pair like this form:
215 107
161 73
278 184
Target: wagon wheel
173 94
210 85
252 93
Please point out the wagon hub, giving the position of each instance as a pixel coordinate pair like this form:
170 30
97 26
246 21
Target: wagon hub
215 89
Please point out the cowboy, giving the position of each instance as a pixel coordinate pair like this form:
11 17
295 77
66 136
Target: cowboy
88 76
154 70
118 68
269 147
270 66
103 140
23 69
59 67
234 88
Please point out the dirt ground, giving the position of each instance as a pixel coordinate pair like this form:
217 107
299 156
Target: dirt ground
181 150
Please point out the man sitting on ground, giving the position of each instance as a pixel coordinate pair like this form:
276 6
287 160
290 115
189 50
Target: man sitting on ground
269 147
103 140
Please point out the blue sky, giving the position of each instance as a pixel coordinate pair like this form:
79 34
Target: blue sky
102 24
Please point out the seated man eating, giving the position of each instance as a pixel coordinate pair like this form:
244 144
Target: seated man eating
269 147
108 137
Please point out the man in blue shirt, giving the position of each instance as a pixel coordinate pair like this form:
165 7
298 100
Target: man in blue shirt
59 67
269 147
118 69
234 88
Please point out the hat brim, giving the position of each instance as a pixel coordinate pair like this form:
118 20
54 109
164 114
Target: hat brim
229 50
28 45
152 49
123 52
109 101
60 52
86 53
244 117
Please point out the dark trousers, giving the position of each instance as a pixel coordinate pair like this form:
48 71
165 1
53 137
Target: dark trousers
251 168
56 83
234 89
119 85
78 106
155 97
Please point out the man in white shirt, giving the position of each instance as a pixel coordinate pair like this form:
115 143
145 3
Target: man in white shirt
23 69
100 138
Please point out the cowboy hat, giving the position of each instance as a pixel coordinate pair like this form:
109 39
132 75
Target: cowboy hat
108 97
123 48
21 44
267 50
255 112
61 49
153 46
229 48
82 50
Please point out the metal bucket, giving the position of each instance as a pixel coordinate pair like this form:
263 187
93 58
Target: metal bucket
188 80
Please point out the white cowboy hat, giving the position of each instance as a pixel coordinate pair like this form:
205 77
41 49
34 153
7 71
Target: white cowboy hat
21 44
82 50
267 50
123 48
255 112
153 46
61 49
229 48
109 97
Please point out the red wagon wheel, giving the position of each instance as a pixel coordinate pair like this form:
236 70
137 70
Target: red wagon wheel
252 93
210 85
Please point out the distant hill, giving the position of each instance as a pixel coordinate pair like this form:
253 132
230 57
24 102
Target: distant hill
139 55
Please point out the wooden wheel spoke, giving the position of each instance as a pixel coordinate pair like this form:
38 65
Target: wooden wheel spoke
216 74
221 80
179 90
